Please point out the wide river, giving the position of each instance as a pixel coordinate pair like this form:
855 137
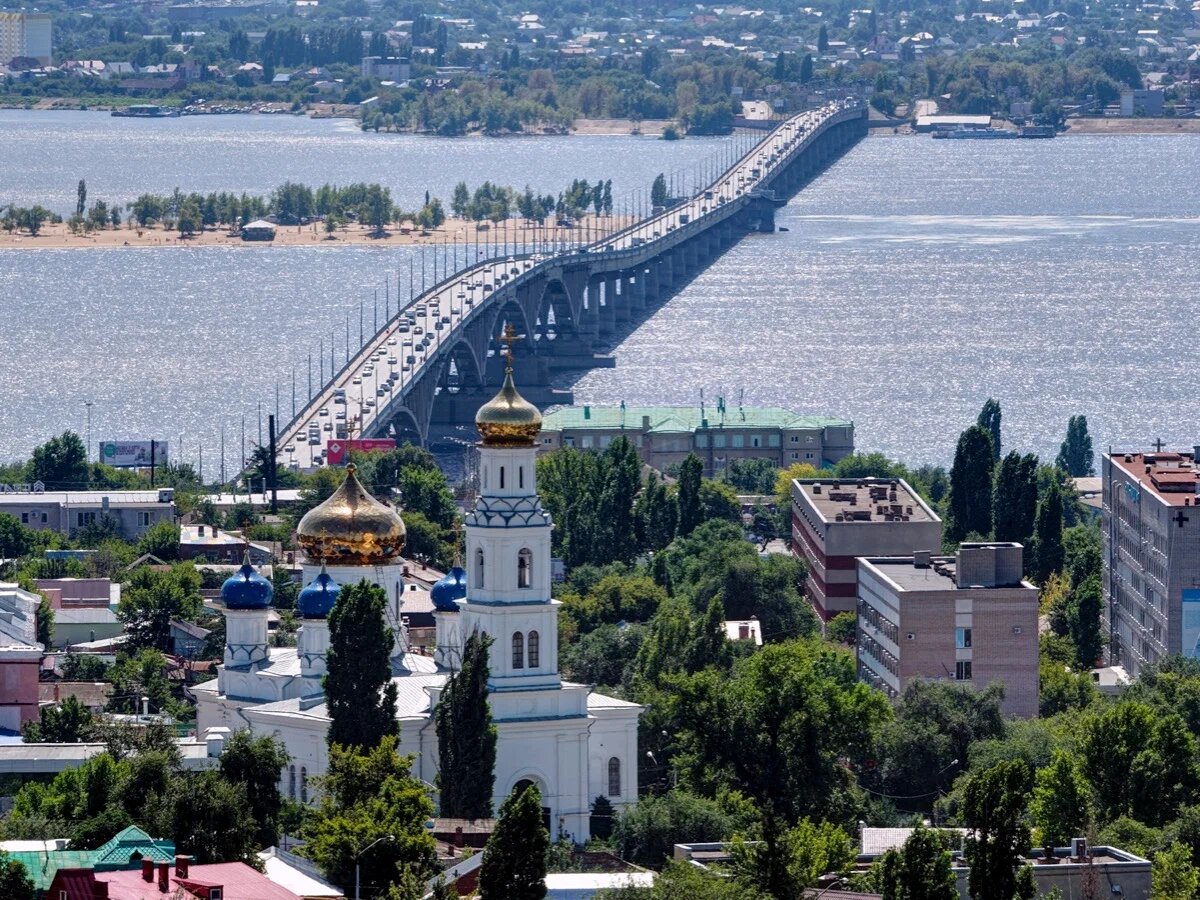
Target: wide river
916 279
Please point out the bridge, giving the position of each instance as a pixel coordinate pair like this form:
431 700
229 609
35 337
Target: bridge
430 367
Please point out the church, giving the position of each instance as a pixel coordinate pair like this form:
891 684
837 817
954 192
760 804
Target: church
573 743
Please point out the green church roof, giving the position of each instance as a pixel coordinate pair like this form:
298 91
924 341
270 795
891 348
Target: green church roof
681 419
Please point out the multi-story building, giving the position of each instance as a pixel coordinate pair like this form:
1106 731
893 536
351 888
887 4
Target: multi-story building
20 657
665 435
836 521
25 35
969 618
68 511
1151 556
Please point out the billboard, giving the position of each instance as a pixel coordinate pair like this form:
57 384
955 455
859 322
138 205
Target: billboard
132 454
1191 623
339 450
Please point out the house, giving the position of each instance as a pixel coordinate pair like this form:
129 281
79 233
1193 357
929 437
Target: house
181 881
91 694
20 657
215 544
126 850
187 639
744 630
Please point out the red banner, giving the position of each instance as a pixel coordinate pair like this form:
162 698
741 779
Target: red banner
339 451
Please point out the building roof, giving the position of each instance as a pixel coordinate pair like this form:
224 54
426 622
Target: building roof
864 500
202 535
1174 478
876 841
119 852
85 498
296 874
680 419
239 881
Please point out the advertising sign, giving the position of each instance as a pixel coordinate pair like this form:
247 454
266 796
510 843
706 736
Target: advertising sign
339 450
132 454
1191 623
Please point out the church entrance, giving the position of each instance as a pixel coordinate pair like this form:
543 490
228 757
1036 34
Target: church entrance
520 787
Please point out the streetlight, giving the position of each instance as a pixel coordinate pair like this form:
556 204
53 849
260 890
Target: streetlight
386 837
88 454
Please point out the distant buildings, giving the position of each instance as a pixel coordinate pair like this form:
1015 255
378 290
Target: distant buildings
183 880
216 545
1141 103
68 511
20 657
84 609
25 35
665 435
1151 556
387 68
835 521
970 619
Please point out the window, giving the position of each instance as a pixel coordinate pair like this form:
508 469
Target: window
962 638
518 650
795 455
614 777
737 440
719 440
773 440
755 441
24 518
502 478
568 442
524 568
702 440
303 784
216 893
808 456
521 477
535 648
45 518
292 782
85 518
586 442
962 670
143 519
795 438
479 567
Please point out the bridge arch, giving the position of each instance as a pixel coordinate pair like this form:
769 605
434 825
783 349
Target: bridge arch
404 422
555 302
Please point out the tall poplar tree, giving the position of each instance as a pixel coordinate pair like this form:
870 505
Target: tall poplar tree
994 811
621 471
1048 534
691 509
989 421
467 737
1075 456
358 685
970 508
1014 501
514 860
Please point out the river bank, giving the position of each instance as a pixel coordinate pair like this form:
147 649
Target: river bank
466 233
1133 126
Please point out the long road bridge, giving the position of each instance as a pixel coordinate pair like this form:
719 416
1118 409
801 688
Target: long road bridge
430 366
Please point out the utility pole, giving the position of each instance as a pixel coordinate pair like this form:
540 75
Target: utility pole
88 454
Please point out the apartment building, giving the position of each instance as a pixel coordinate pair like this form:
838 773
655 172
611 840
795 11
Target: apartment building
970 618
717 434
836 521
1151 556
25 35
68 511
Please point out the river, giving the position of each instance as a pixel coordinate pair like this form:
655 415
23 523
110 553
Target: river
916 279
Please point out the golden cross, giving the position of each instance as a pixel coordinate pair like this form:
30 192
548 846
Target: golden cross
509 336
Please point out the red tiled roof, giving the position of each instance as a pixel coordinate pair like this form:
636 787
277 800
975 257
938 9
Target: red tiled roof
239 880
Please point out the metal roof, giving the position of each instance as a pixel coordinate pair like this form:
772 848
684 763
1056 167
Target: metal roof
681 419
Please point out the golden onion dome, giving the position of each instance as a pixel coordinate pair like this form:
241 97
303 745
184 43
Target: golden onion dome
508 419
351 528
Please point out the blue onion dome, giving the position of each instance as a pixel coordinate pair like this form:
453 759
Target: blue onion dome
453 586
247 589
317 599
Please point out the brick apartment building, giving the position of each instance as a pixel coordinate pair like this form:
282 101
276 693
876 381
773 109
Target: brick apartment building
836 521
971 619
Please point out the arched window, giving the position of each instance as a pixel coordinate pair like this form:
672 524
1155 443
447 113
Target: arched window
614 777
524 568
518 645
292 782
534 651
502 478
479 567
303 784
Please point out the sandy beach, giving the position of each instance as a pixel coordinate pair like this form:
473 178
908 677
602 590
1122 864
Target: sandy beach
59 237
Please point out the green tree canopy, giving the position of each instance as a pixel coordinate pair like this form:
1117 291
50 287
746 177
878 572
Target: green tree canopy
514 860
970 506
359 690
1075 456
466 736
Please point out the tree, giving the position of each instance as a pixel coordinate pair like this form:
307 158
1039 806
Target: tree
213 821
842 628
621 468
1075 456
1061 804
358 683
601 821
1083 621
467 737
15 539
60 463
1048 535
45 623
15 883
690 508
460 200
371 795
80 197
1014 501
806 68
822 39
920 870
654 515
152 599
1172 875
989 421
970 506
68 723
514 859
647 832
658 191
994 809
785 864
161 540
255 764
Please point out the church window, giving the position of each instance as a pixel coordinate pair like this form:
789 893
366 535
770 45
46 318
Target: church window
479 567
518 650
303 784
525 568
292 782
614 777
534 649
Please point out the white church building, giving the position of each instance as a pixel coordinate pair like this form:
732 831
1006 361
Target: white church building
573 743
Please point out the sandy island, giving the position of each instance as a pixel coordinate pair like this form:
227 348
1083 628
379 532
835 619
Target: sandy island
59 237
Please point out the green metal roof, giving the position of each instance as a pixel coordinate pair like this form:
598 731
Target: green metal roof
124 851
680 419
